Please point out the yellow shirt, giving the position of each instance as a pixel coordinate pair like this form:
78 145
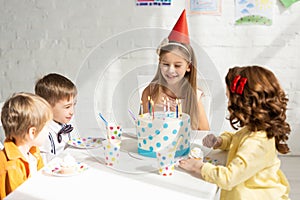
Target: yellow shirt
252 168
14 169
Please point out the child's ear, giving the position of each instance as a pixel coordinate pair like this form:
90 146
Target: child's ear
32 133
188 69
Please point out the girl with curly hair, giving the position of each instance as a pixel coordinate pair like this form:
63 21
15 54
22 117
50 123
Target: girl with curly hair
257 110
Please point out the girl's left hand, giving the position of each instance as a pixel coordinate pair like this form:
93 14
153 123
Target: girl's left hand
191 165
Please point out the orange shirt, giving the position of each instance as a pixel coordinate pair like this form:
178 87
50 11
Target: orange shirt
14 168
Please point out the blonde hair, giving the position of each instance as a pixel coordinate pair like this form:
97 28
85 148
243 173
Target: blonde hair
23 111
55 87
189 84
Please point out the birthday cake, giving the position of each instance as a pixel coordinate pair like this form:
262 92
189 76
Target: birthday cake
162 131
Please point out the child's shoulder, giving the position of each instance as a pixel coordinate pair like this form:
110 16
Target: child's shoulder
3 160
199 94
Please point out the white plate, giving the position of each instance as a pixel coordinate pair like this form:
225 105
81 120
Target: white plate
54 168
196 141
84 143
204 149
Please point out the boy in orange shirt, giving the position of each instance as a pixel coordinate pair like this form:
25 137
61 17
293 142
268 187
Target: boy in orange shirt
24 118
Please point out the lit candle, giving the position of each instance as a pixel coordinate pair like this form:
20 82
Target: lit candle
149 105
141 109
152 105
164 104
176 108
180 108
168 104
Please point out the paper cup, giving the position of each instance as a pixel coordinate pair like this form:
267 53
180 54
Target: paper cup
113 131
166 162
111 151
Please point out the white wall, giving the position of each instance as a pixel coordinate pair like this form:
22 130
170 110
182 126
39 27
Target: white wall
103 45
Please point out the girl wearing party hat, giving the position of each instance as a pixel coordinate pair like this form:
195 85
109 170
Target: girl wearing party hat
176 77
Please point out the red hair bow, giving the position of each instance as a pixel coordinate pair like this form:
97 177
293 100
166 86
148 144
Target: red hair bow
238 84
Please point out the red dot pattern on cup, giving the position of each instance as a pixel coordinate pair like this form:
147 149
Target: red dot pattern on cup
115 132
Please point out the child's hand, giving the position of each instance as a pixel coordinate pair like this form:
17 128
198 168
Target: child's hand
191 165
211 141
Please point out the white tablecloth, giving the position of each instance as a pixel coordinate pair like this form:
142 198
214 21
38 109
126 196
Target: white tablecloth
135 178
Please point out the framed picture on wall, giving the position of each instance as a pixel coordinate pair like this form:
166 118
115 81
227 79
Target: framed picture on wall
153 2
253 12
205 7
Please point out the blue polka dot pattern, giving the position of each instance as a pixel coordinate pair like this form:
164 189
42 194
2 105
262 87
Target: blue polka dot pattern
162 131
157 132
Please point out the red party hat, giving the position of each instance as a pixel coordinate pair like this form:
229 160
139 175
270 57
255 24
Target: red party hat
180 31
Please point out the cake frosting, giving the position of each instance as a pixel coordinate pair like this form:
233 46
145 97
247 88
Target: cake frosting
163 131
68 165
196 153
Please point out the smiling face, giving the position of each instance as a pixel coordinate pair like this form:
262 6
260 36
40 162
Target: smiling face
64 110
173 68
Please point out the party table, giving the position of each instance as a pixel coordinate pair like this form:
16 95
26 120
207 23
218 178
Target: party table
136 177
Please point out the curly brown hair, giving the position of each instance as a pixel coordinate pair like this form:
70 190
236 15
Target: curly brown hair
261 106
